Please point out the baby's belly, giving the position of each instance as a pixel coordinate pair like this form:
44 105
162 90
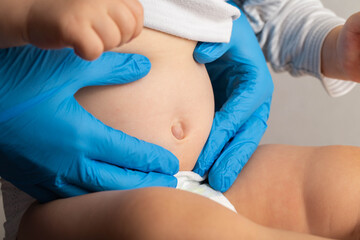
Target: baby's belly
173 106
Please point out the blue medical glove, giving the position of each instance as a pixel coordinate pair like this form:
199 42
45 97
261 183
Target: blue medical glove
51 147
243 88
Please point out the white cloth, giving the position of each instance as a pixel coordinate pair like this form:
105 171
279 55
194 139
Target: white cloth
16 202
291 34
198 20
193 182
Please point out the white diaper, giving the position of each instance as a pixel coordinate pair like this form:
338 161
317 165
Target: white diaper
193 182
16 202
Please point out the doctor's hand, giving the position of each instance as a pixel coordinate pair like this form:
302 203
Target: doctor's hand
50 147
243 88
341 51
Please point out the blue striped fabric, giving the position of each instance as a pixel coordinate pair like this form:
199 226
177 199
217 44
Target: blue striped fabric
291 34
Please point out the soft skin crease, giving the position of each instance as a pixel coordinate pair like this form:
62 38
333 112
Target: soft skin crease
173 106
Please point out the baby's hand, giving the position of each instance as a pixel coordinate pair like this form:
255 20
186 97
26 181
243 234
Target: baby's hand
341 51
89 26
348 48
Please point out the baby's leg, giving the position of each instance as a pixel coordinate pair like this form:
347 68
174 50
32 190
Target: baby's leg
305 189
152 213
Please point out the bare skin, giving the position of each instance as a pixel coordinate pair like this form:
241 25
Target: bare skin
340 55
89 26
302 189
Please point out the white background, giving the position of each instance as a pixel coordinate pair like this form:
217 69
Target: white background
302 113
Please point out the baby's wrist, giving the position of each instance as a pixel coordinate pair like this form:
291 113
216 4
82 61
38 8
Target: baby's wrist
331 65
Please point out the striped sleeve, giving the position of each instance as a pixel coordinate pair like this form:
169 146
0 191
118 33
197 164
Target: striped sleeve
291 34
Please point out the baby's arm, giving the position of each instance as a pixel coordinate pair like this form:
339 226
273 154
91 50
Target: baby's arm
340 54
303 37
88 26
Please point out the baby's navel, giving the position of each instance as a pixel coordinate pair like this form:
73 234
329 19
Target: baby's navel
177 130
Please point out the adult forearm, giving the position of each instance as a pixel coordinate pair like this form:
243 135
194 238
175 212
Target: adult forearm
13 14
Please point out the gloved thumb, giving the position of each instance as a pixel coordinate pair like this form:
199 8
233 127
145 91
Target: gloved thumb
209 52
112 68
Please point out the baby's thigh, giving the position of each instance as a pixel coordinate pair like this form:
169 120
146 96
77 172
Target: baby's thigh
90 216
148 213
305 189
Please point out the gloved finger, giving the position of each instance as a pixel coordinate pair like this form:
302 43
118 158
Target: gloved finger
109 69
120 149
236 154
100 176
242 48
49 190
227 121
112 68
63 189
209 52
114 147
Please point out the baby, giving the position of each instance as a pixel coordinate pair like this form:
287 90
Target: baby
173 106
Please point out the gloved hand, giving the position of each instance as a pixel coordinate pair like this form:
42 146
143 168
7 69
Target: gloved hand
243 88
50 147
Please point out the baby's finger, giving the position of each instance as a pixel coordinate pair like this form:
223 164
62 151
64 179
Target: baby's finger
138 11
85 41
108 31
126 23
